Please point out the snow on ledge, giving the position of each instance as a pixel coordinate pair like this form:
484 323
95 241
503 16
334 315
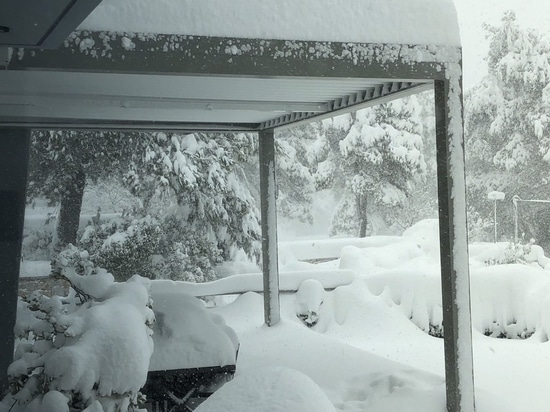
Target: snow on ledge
253 282
430 22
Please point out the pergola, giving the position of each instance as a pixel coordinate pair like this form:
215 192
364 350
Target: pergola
246 65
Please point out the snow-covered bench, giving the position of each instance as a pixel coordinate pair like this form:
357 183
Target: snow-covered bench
195 352
253 282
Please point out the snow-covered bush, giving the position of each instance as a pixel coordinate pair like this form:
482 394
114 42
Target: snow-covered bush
152 248
513 253
124 247
186 254
88 351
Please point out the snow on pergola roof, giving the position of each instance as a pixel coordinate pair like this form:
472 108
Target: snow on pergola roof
431 22
239 65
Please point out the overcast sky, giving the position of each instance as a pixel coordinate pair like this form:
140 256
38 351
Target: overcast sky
471 15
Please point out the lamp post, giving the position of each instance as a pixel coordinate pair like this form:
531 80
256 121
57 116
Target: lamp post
495 196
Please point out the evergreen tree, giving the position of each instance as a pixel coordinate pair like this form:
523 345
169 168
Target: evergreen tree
374 156
62 162
202 172
295 183
508 144
214 216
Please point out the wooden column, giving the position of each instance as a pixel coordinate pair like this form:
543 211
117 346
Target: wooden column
455 277
268 194
14 155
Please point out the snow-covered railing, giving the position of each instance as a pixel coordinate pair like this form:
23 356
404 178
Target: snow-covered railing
253 282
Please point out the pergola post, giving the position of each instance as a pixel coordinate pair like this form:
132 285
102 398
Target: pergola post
14 154
268 194
455 277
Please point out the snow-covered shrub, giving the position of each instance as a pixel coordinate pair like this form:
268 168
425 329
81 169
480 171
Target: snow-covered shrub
186 254
152 248
125 248
513 253
88 351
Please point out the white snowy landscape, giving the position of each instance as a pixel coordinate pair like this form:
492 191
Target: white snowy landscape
370 349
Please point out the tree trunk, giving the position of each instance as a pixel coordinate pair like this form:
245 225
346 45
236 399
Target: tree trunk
69 212
361 201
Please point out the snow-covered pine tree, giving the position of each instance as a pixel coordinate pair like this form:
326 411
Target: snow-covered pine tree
202 172
295 185
507 139
376 154
215 215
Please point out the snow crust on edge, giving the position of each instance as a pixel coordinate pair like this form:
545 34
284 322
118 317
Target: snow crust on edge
432 22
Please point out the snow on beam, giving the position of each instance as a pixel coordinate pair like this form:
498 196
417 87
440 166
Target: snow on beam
269 227
455 277
14 152
178 54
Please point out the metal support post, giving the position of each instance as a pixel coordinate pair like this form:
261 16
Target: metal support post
455 278
14 154
268 194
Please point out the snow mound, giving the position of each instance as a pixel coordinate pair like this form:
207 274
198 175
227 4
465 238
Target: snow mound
426 234
271 389
385 257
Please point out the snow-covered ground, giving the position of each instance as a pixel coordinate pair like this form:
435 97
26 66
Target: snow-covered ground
370 349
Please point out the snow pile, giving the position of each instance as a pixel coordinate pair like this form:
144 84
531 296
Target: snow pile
187 336
507 300
387 312
260 391
375 21
347 354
